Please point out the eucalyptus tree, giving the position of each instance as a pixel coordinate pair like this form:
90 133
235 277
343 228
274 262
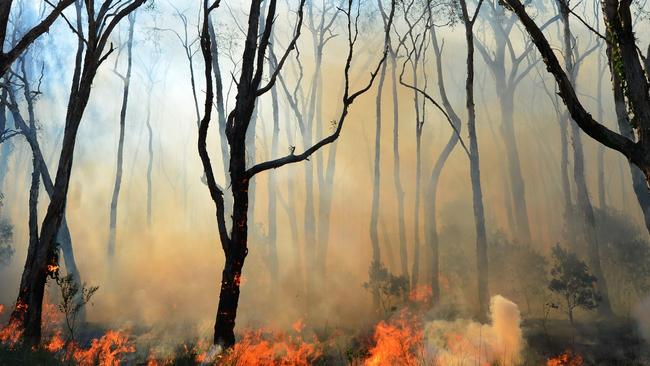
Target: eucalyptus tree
582 194
507 79
101 20
234 241
628 67
126 81
472 153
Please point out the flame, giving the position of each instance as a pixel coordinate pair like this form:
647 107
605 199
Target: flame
396 343
153 361
298 326
265 348
566 359
106 351
421 294
52 268
56 343
2 309
10 335
240 279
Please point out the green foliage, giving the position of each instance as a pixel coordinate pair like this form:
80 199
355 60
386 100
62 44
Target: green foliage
391 288
572 280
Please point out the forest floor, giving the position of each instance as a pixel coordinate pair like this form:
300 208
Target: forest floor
549 342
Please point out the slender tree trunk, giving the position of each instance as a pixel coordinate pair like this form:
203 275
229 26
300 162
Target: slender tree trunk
397 180
432 189
475 174
419 122
376 185
582 194
272 188
517 186
112 226
149 158
5 147
602 199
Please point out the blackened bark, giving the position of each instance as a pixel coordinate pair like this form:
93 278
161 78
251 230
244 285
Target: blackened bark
20 46
45 256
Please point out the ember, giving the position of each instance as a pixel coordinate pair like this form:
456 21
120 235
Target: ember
568 358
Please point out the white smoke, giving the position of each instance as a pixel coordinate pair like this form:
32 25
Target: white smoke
464 342
641 313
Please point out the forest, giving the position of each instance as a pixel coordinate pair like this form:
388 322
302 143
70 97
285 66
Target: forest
325 182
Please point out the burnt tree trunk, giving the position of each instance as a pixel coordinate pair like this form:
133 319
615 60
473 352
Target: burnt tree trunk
45 259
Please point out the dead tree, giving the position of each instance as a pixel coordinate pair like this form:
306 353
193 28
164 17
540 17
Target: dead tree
626 57
249 89
126 80
101 22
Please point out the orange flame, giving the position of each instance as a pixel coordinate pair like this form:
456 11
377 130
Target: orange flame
10 335
397 343
2 309
266 348
52 268
56 343
298 326
568 358
106 351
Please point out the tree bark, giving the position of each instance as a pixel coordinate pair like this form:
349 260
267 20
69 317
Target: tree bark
432 189
582 194
376 181
475 174
45 259
112 225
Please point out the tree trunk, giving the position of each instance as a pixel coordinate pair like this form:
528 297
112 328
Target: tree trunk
582 194
639 183
224 327
432 190
149 158
475 174
112 226
376 182
419 122
397 180
45 259
517 185
272 189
